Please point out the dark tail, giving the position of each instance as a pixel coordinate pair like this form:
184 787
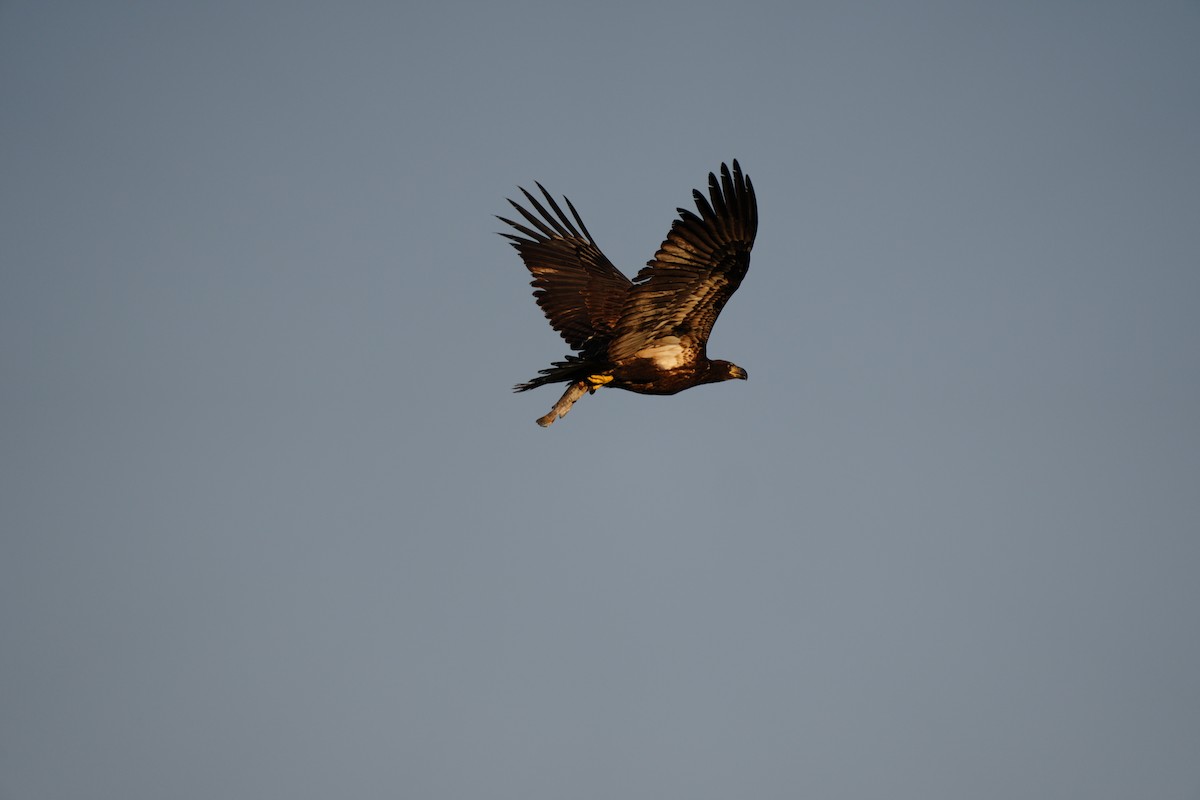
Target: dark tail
575 368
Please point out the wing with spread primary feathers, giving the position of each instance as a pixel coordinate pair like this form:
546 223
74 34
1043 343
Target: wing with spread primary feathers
578 288
676 298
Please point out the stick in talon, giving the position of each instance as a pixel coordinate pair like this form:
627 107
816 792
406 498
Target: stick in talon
574 392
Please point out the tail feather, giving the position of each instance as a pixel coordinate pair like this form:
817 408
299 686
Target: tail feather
575 368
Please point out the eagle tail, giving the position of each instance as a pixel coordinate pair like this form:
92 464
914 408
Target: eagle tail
575 368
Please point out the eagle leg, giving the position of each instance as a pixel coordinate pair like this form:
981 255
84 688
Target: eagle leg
575 391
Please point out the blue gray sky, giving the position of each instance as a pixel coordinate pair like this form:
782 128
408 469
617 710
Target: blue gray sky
274 526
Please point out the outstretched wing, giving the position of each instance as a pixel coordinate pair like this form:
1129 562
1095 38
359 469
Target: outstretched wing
578 288
676 298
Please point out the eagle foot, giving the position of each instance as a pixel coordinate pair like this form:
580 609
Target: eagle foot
596 381
575 391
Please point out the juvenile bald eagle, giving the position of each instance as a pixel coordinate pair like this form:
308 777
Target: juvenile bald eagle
648 335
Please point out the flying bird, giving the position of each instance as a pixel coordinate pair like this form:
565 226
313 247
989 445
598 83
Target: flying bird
648 335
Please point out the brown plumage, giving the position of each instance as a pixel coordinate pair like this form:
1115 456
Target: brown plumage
648 335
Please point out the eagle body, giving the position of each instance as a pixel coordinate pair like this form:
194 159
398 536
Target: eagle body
648 335
645 376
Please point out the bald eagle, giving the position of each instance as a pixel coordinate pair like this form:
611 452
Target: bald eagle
648 335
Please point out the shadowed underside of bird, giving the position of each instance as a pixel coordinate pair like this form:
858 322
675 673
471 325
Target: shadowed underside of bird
648 335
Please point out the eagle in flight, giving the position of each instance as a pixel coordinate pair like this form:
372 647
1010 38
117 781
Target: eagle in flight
648 335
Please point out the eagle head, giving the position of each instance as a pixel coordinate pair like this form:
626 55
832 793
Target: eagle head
724 371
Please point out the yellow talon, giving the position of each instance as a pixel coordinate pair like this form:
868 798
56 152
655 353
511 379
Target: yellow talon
596 381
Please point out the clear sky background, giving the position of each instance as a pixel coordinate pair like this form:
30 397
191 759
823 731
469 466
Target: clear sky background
272 524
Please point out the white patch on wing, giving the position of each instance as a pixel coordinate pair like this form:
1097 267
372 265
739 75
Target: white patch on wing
666 353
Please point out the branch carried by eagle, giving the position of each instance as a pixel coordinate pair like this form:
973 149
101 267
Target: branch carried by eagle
648 335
